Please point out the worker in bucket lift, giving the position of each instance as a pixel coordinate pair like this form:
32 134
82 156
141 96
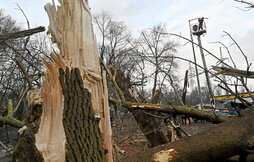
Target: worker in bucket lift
200 23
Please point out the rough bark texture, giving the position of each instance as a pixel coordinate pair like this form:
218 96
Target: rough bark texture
26 149
81 127
227 139
83 136
149 125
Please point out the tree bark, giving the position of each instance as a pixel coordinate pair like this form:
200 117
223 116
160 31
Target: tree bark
20 34
149 125
74 123
185 87
76 133
210 116
226 140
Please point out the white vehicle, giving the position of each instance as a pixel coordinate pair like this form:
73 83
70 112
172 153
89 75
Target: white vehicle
204 106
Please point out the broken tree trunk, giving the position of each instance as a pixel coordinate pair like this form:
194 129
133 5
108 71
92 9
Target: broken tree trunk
226 140
150 126
185 87
71 122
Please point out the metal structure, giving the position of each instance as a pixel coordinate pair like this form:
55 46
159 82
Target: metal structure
206 70
195 60
198 30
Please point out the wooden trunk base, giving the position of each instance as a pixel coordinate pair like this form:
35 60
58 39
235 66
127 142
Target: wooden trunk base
81 127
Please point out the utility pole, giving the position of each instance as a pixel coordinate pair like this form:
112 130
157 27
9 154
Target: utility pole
196 67
205 68
199 30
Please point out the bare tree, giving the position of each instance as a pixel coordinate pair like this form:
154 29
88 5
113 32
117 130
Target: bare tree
114 37
157 49
21 56
102 22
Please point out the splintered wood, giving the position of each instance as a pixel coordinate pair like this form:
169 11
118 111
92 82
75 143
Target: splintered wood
71 29
50 138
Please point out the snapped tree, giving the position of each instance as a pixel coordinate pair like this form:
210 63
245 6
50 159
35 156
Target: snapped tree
69 117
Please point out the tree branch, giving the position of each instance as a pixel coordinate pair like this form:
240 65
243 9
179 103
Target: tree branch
199 46
233 72
113 78
180 110
20 34
9 119
246 59
249 4
12 121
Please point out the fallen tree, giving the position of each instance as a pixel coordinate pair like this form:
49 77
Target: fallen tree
210 116
55 125
149 125
198 147
225 140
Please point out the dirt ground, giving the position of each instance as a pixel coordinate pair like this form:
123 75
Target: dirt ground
135 142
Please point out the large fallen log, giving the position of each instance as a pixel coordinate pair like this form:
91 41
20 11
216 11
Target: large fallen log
231 138
211 116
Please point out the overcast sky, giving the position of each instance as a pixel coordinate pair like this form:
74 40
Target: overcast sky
140 14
